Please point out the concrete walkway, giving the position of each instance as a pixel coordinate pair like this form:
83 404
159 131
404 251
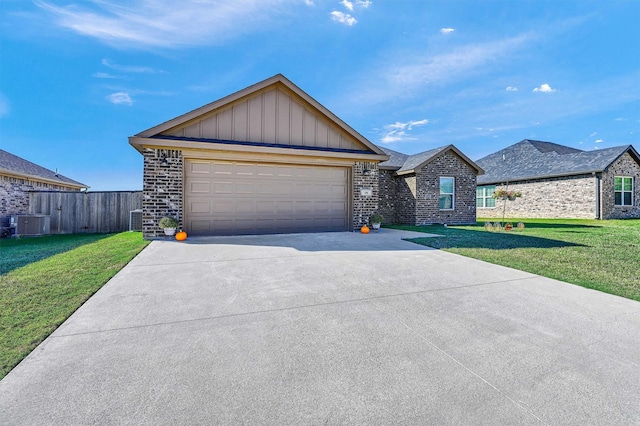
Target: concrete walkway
338 328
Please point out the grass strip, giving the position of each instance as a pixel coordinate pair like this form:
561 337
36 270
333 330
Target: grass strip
37 297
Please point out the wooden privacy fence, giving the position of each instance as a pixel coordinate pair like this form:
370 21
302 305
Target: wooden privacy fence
74 212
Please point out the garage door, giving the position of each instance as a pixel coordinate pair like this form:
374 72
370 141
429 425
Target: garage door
227 198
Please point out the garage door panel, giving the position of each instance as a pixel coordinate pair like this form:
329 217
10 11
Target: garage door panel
203 187
230 198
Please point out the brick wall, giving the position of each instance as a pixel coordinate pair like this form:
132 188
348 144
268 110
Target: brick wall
406 199
14 194
162 189
364 205
625 166
387 199
428 197
571 197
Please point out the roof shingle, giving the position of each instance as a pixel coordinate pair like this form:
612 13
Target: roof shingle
530 159
16 165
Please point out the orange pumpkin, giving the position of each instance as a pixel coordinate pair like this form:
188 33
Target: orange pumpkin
364 229
181 236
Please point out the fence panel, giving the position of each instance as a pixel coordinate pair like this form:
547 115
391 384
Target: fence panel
74 212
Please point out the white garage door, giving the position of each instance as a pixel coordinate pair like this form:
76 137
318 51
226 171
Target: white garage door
226 198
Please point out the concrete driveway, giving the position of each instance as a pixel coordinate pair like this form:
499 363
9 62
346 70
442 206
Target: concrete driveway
337 328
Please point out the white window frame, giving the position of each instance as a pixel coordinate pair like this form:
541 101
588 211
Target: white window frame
484 196
623 191
453 193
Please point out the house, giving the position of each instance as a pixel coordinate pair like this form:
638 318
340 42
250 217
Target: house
266 159
558 181
19 176
435 186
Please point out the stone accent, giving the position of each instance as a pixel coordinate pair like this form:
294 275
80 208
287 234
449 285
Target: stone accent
571 197
364 205
415 198
624 166
162 190
14 194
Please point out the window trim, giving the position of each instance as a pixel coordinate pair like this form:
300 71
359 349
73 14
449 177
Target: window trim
622 191
453 193
485 197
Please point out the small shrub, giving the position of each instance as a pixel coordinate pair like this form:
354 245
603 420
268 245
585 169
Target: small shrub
168 222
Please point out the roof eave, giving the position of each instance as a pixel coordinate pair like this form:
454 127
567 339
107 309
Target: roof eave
551 176
13 173
140 143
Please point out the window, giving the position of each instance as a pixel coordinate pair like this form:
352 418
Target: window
447 185
623 190
484 196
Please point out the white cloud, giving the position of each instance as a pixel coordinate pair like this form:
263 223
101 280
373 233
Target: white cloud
128 68
119 98
363 3
447 30
407 75
347 5
343 18
165 24
599 141
512 89
544 88
593 134
309 3
104 75
397 131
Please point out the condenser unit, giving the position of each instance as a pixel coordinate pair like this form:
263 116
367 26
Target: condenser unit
135 220
32 224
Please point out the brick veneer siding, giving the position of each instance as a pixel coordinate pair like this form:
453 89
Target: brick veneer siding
428 196
162 189
387 186
406 199
364 205
14 193
572 197
624 166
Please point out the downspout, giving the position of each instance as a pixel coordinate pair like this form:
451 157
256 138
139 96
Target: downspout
598 178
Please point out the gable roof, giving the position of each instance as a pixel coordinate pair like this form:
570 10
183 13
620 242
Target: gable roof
405 164
530 159
306 108
13 165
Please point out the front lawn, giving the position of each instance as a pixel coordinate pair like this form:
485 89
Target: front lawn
603 255
44 280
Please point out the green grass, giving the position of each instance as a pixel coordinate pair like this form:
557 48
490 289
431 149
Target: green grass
44 280
602 255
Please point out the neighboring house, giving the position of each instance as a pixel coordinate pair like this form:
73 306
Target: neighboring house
266 159
435 186
558 181
19 176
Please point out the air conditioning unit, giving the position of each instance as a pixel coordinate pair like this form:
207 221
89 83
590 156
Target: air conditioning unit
135 220
32 224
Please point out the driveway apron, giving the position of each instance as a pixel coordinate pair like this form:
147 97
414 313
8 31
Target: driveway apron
334 328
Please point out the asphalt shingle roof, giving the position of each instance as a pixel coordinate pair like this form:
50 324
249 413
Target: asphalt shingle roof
530 159
403 163
14 164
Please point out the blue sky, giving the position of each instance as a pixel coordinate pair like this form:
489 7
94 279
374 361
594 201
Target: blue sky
78 77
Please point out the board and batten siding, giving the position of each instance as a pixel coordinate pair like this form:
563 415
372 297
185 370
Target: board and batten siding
272 117
86 212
